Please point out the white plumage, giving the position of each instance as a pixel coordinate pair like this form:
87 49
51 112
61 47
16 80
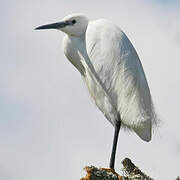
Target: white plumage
113 73
118 67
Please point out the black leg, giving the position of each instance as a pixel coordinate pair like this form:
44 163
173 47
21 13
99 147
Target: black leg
113 154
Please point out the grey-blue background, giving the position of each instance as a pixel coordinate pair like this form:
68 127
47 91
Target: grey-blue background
49 128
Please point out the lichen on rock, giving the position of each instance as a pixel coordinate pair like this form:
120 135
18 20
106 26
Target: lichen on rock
130 170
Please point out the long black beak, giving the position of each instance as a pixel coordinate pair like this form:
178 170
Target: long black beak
53 26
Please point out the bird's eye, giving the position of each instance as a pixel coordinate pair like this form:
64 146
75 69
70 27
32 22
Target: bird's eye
73 21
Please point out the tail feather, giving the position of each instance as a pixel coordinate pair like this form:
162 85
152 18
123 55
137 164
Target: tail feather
144 131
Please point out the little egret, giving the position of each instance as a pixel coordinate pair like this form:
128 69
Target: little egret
113 73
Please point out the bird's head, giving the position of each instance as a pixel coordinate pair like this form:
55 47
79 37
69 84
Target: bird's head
73 25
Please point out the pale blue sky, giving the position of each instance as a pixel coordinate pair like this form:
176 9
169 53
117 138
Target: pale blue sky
47 117
170 2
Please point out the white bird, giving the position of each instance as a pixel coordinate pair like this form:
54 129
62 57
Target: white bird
113 73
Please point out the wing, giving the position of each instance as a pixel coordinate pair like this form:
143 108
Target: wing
120 71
